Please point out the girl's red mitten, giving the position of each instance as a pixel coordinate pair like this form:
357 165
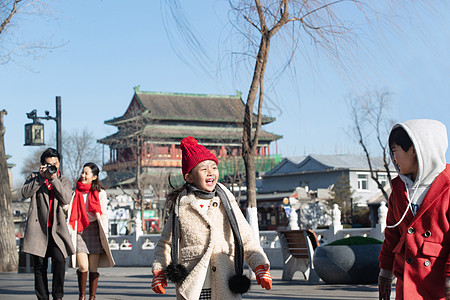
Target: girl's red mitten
159 282
263 277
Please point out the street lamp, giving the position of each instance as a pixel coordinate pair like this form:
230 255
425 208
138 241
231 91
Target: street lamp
34 132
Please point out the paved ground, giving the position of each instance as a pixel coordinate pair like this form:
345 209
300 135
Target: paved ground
134 283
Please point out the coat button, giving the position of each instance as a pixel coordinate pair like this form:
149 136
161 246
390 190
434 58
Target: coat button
411 230
427 233
409 260
213 269
215 204
209 226
427 263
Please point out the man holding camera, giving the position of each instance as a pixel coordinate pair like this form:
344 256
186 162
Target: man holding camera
46 233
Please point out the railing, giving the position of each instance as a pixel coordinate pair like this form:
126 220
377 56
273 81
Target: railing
138 249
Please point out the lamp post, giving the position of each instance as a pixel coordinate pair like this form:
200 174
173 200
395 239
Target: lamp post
34 132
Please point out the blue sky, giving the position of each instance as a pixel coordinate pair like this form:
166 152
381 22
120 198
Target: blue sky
109 47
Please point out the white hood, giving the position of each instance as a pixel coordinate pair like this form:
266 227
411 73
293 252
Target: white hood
430 141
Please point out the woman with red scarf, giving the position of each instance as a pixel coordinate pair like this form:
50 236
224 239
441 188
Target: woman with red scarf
89 223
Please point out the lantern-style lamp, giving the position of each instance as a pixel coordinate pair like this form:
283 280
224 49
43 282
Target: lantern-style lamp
34 134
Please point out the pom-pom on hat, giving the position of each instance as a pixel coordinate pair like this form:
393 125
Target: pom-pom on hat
193 153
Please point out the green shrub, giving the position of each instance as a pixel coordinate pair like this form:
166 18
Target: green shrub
356 240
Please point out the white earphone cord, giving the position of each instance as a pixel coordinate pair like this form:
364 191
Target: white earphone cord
406 210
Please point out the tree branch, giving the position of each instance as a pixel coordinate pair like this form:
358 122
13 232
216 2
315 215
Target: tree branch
10 15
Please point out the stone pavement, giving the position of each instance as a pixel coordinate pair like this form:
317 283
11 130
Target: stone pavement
134 283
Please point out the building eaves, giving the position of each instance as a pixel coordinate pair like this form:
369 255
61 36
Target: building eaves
331 163
305 172
209 135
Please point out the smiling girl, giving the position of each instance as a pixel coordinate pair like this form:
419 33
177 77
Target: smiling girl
206 237
89 222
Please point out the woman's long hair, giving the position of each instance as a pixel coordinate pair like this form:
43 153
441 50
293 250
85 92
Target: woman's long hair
96 184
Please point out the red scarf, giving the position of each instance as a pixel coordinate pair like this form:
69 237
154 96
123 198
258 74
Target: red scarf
51 195
78 213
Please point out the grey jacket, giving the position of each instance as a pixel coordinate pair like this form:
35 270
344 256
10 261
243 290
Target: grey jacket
36 234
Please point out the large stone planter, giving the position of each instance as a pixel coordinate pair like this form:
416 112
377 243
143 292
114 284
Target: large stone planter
347 263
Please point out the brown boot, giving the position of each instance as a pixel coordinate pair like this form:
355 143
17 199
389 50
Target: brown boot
82 278
93 282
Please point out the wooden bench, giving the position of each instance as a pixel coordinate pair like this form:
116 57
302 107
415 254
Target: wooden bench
297 249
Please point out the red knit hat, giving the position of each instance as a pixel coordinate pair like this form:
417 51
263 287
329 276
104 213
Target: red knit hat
193 153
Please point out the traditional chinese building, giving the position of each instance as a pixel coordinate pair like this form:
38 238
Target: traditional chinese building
154 124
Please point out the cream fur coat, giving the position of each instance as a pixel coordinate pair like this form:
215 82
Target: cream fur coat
206 239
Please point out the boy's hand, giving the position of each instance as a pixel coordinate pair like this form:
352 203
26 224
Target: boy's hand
263 277
384 288
159 282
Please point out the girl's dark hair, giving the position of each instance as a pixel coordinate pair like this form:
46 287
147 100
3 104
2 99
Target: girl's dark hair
171 197
96 184
399 137
49 152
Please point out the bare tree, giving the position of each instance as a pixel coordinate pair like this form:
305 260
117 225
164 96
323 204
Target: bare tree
130 144
8 250
80 147
262 20
12 48
370 122
327 25
235 175
32 162
160 185
342 194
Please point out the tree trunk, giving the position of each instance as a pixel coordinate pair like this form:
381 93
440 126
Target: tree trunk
250 170
8 250
249 141
141 190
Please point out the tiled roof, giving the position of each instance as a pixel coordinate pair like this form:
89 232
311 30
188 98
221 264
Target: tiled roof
188 106
197 107
318 162
347 161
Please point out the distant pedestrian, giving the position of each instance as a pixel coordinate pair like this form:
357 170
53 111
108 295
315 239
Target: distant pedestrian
46 232
89 225
417 237
206 237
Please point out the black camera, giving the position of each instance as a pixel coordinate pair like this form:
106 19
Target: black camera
51 169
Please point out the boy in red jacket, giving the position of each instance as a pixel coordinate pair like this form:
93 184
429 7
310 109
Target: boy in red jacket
417 238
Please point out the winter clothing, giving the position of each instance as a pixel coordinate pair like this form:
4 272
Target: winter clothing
192 153
36 234
93 282
46 232
82 278
40 272
206 240
88 241
263 276
78 211
159 282
106 260
417 250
